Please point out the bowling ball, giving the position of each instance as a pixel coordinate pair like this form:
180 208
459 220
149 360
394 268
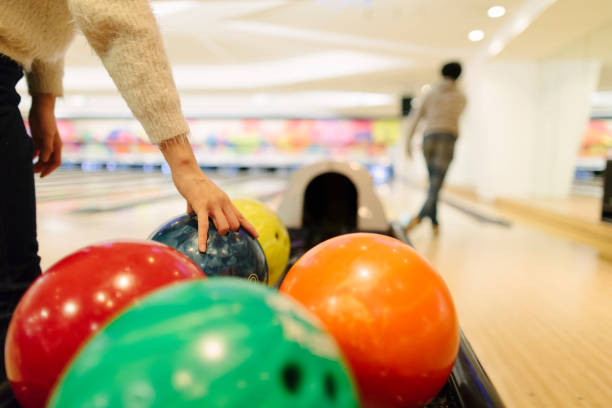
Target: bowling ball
390 312
76 297
273 236
235 254
216 343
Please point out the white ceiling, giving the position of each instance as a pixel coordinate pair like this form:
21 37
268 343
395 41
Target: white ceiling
333 56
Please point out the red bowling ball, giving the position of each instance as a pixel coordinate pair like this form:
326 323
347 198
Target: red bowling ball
76 297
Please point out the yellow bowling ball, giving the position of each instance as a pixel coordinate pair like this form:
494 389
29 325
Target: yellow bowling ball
273 236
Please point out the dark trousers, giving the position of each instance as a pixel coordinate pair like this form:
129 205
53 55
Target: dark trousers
19 260
438 149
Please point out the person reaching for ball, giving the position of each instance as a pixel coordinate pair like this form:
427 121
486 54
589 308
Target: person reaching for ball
34 36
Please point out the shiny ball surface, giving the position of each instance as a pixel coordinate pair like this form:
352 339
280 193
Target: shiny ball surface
390 312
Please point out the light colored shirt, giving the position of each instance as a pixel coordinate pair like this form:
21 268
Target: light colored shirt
441 109
124 34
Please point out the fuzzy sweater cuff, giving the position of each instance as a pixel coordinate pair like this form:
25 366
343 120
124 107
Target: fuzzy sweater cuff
46 78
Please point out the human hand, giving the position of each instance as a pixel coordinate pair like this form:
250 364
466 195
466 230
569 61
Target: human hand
203 196
45 136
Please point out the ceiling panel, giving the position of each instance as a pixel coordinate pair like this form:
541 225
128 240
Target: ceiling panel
563 24
380 46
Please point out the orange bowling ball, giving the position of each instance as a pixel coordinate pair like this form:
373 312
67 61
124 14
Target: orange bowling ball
389 310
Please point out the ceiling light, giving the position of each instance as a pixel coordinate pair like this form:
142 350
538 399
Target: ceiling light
520 25
496 11
495 48
476 35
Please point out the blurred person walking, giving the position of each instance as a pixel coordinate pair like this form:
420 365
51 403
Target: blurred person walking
441 109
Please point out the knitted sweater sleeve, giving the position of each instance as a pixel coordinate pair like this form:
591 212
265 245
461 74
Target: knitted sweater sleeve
125 36
46 78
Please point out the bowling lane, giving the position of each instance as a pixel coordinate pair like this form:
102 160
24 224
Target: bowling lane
76 209
534 306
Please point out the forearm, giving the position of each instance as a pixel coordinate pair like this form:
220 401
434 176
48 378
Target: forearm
411 130
43 101
413 125
410 135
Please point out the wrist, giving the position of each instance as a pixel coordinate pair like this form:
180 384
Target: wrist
179 155
43 102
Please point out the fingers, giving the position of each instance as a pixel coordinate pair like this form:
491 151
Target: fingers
202 230
45 136
232 218
203 196
46 149
220 221
55 160
49 159
39 166
247 225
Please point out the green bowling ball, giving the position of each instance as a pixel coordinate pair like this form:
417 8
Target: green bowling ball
215 343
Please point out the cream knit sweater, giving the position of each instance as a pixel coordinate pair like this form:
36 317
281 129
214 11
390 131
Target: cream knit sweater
124 34
441 108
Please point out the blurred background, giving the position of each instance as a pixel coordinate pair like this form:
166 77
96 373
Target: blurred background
270 85
273 83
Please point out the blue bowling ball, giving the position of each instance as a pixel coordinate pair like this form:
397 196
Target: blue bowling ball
235 254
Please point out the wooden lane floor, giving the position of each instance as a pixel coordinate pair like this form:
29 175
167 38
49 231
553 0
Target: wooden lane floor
85 208
537 308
